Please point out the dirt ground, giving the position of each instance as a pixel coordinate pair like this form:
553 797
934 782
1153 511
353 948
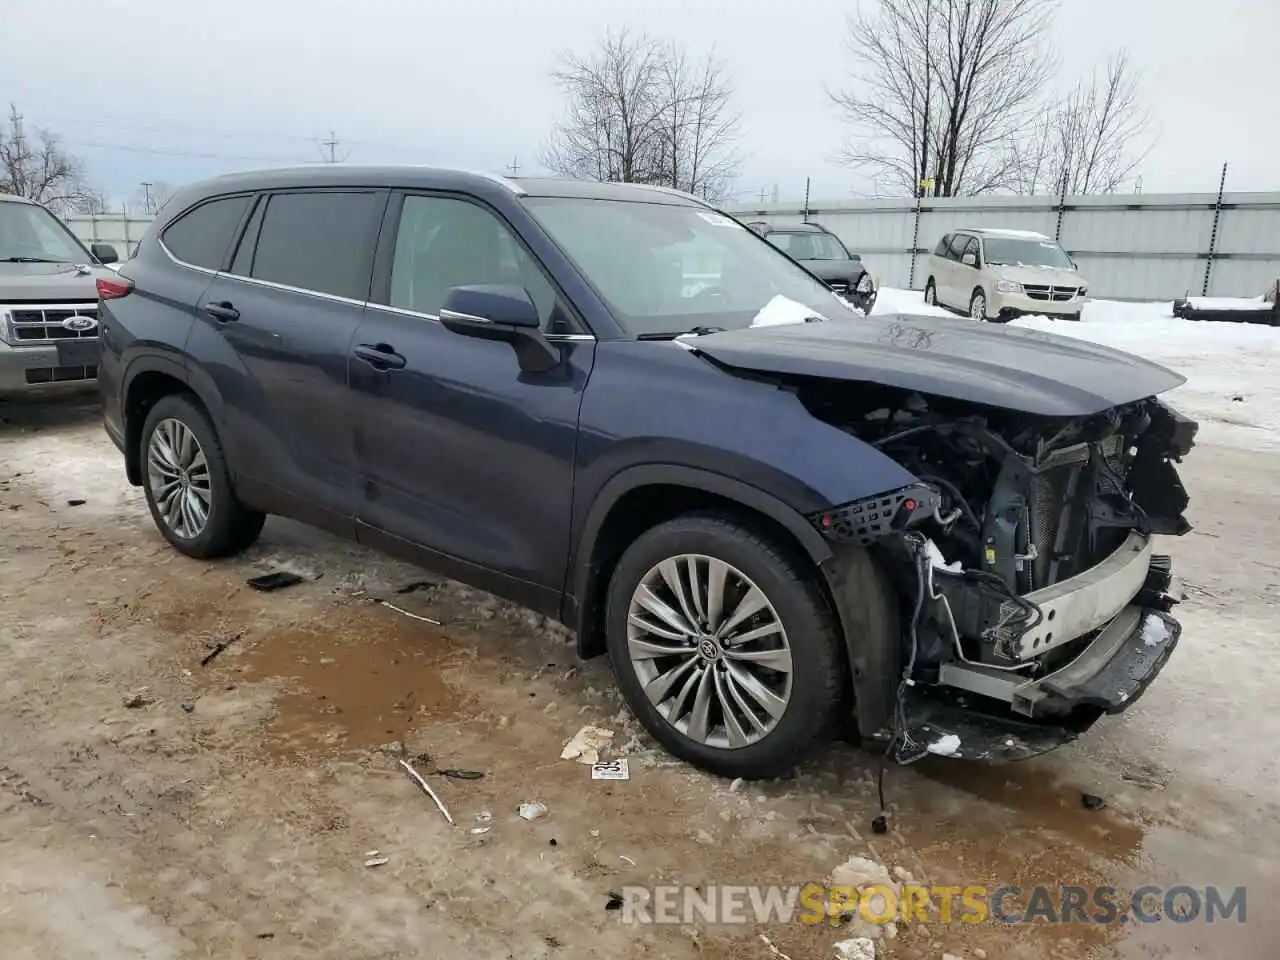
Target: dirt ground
228 812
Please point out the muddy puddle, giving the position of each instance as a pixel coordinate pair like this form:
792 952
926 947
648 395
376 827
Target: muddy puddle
353 680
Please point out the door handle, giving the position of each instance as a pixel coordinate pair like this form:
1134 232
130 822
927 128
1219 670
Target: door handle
380 356
222 311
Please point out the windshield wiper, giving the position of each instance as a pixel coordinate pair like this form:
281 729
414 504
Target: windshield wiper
700 331
30 260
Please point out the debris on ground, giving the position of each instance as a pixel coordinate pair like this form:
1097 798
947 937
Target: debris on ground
374 858
611 770
857 948
979 953
1092 801
1146 777
427 789
736 785
614 902
395 748
533 811
479 831
455 774
217 649
774 951
406 613
188 708
276 580
625 859
137 701
860 873
585 745
418 585
75 503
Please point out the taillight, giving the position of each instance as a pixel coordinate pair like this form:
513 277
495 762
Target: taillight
114 288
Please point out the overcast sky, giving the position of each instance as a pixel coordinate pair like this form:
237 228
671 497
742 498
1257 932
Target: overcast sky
171 90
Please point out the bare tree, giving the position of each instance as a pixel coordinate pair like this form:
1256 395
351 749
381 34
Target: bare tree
640 110
36 167
942 88
1091 141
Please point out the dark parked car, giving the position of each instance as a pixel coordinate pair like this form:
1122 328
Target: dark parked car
822 253
767 523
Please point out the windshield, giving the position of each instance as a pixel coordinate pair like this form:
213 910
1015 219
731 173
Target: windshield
667 269
808 246
1025 253
29 233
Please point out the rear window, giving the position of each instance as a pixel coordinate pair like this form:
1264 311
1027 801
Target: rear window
203 235
320 241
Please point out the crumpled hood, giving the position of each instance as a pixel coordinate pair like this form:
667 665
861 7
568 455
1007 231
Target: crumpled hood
1012 368
52 282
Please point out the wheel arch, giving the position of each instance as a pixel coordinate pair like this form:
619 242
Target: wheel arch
148 379
643 496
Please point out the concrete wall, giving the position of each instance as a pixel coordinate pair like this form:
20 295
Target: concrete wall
1153 247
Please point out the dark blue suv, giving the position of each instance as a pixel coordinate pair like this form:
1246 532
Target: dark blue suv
622 408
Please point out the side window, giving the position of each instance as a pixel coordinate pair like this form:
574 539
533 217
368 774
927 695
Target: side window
443 242
203 235
320 241
958 240
943 248
970 246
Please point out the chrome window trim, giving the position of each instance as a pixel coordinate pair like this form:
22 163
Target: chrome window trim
271 284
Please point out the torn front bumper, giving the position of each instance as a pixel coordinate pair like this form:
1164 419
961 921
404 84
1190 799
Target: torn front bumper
1109 676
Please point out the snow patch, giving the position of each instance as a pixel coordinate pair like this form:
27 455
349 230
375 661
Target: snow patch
1154 631
946 746
1228 303
890 300
858 948
783 310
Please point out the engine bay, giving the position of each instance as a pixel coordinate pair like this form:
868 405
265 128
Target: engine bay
1016 518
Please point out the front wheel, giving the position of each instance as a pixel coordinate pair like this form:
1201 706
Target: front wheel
978 306
723 646
187 483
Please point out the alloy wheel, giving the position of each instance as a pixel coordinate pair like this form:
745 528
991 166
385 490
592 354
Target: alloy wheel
178 476
978 307
710 651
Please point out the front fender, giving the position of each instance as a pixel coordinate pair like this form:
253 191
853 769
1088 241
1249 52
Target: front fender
748 440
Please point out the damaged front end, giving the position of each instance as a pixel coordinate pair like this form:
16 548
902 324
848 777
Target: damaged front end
1032 601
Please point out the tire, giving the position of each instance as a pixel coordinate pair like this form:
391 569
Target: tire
180 446
806 695
931 293
978 306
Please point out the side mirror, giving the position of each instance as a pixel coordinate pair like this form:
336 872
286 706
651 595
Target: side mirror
504 312
970 259
105 252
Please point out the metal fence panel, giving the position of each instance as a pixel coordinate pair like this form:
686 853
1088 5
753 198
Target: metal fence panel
1128 246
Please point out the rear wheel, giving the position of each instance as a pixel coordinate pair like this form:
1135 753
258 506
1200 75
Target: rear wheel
723 646
931 293
978 305
187 484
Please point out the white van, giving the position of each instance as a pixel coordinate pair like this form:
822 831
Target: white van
997 275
